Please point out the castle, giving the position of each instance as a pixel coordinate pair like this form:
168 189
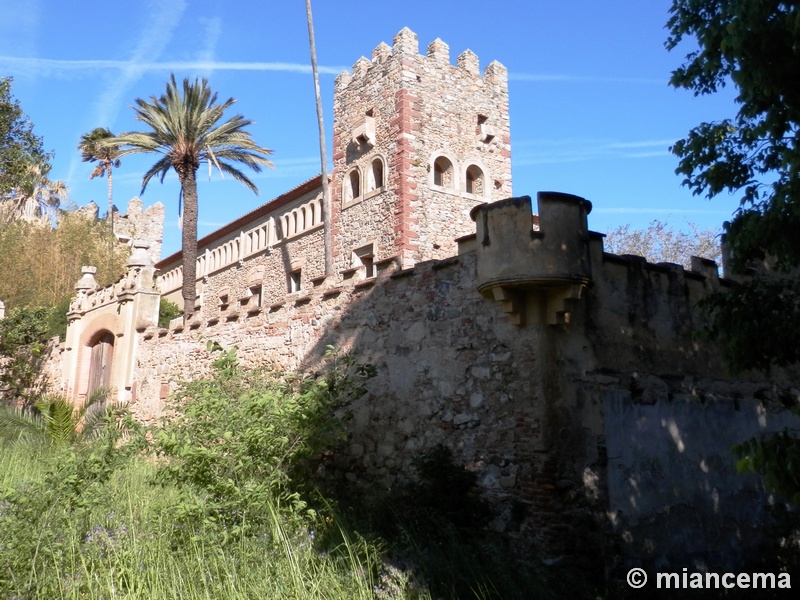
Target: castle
568 379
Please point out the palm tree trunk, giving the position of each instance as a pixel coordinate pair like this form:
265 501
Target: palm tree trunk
189 241
110 195
326 195
110 218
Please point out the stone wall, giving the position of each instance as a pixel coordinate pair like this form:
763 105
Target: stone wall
605 429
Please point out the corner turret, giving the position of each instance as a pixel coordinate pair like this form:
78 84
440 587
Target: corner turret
533 273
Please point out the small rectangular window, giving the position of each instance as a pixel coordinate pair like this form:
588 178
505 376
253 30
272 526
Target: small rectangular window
255 295
295 281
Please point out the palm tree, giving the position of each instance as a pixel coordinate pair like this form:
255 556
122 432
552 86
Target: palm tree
326 195
35 199
56 419
107 158
185 129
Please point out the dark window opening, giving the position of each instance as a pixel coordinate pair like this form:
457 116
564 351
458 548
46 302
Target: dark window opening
255 295
443 172
474 181
377 173
355 185
294 281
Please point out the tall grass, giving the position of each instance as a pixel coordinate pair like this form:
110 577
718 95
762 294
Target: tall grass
223 501
207 506
132 546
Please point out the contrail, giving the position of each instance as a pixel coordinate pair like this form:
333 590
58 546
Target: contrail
56 67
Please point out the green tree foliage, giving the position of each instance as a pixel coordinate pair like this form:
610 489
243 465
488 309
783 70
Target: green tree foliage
39 265
755 46
23 348
755 154
166 312
661 242
20 148
185 128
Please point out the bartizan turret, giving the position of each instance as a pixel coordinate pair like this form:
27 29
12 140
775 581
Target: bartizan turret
534 267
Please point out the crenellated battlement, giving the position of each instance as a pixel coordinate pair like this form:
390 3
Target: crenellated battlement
143 225
406 46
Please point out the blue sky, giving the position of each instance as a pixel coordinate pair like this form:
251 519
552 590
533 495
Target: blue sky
591 111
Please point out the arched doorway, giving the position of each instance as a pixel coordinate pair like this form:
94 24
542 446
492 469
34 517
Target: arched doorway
100 362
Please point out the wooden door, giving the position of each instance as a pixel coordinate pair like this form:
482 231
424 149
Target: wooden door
100 363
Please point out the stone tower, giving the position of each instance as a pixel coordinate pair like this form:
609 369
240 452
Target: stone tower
417 143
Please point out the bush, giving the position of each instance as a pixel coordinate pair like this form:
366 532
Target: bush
248 441
23 345
167 311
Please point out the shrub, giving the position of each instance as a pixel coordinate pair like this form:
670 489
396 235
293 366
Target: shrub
23 345
167 311
248 441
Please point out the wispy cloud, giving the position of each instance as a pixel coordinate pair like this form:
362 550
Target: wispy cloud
63 68
560 78
213 30
152 42
538 152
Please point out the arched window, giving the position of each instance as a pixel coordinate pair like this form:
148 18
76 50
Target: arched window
474 181
352 186
376 174
443 172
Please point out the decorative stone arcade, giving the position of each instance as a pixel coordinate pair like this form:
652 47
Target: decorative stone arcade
101 345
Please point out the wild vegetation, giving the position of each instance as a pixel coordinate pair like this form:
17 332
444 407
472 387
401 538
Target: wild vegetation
224 500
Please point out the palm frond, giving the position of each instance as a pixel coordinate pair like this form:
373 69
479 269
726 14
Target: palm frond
185 126
20 423
58 416
238 176
57 420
